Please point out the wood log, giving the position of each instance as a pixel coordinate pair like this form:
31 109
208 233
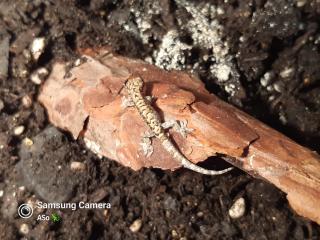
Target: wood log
88 102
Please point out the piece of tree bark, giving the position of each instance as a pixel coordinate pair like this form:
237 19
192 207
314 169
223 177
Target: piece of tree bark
88 102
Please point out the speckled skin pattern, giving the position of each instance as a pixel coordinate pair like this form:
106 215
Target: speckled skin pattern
134 86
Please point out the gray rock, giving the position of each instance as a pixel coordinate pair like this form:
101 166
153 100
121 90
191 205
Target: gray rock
43 167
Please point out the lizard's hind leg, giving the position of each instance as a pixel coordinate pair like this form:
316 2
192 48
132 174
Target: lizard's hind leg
179 126
146 143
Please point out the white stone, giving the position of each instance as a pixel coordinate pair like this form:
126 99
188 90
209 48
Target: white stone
24 229
238 208
27 101
301 3
278 86
205 57
136 225
77 62
286 72
27 141
283 119
18 130
37 47
230 88
77 166
174 233
220 11
270 88
200 214
38 75
271 98
265 80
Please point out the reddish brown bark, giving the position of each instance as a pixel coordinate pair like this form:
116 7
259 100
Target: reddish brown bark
94 91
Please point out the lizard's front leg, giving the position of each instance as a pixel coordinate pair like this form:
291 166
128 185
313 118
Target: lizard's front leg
126 102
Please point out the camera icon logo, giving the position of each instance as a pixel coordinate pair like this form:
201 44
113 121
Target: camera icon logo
25 210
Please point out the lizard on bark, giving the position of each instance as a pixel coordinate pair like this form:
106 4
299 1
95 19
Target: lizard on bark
134 86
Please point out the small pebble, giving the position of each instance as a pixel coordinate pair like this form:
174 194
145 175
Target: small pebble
35 78
301 3
27 54
283 119
38 75
174 233
205 57
286 72
238 208
265 80
106 213
200 214
28 142
27 101
18 130
77 166
136 225
1 193
24 229
77 62
271 98
278 86
1 105
220 11
37 47
306 81
270 88
22 72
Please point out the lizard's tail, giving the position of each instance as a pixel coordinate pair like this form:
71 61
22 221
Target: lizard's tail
177 155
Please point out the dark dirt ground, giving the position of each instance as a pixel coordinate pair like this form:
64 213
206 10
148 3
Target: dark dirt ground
277 49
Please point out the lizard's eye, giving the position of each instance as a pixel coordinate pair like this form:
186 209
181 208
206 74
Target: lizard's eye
140 82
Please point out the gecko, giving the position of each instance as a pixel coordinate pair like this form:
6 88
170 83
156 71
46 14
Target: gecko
134 86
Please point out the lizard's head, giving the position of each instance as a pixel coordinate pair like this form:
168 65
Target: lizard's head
134 83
